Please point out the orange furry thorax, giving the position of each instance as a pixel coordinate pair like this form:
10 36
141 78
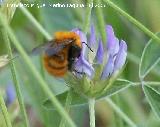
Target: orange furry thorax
60 36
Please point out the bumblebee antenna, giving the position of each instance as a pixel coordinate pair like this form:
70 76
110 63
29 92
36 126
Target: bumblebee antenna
88 46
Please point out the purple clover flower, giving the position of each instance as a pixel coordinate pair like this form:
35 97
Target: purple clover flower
112 41
121 56
82 37
92 39
108 68
116 54
100 52
82 65
10 94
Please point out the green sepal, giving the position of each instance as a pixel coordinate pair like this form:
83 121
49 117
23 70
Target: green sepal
79 99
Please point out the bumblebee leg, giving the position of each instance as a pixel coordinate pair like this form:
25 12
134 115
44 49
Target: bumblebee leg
82 73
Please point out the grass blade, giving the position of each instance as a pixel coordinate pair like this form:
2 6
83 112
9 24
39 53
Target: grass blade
14 76
5 113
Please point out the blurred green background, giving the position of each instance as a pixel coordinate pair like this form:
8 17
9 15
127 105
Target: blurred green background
131 100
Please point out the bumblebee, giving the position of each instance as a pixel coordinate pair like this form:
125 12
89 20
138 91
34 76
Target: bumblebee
60 53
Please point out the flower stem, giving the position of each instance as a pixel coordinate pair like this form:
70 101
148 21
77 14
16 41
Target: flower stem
14 76
121 113
87 16
118 120
92 112
34 21
133 20
36 74
67 107
4 112
100 20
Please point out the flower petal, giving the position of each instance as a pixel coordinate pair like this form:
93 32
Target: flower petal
92 40
81 34
116 47
83 66
111 41
121 56
10 93
108 69
82 37
100 53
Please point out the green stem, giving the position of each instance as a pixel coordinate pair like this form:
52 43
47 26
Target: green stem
100 20
34 21
42 67
13 71
36 74
121 113
118 120
67 107
92 112
4 112
152 83
87 16
139 83
133 20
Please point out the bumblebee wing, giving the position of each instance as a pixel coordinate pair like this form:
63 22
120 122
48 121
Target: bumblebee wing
41 48
55 48
51 47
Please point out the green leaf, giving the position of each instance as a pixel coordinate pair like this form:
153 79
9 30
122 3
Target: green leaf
150 57
76 100
153 97
118 86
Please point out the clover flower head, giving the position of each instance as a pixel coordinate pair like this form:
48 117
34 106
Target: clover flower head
116 53
107 59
